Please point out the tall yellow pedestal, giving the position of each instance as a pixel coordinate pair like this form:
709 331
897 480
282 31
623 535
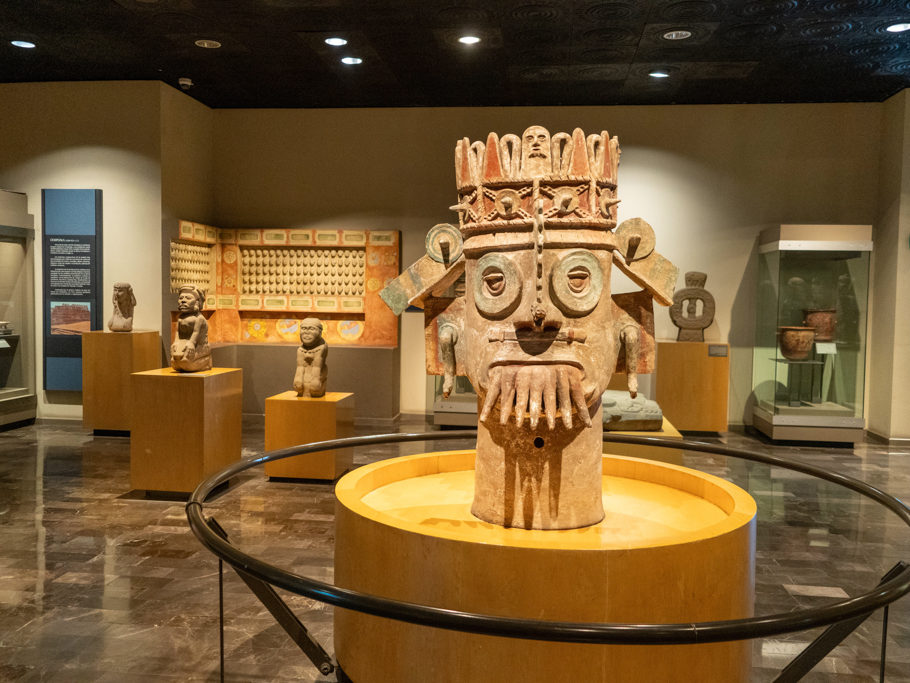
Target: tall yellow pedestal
676 546
693 384
185 426
291 420
108 360
670 455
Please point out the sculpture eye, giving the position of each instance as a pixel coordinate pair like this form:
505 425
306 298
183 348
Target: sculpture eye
579 279
576 282
496 285
494 281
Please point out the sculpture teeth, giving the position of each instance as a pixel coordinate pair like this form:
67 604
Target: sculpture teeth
521 390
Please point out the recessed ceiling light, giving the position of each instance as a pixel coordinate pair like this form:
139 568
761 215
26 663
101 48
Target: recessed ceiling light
677 34
351 60
336 42
469 40
659 73
22 43
898 28
210 44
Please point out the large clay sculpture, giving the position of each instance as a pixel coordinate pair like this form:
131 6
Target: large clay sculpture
124 302
534 326
312 371
190 352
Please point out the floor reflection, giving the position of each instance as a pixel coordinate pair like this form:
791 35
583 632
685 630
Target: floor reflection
96 585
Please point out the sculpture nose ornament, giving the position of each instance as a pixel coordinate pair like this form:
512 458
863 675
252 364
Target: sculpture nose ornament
538 314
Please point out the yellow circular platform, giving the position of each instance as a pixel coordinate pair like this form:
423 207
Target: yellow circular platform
676 545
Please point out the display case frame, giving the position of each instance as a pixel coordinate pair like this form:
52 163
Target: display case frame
808 369
18 394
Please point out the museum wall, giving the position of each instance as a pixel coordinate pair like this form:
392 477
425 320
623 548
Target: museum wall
187 188
706 177
91 135
889 349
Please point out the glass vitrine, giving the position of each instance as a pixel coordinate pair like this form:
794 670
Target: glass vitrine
459 408
810 343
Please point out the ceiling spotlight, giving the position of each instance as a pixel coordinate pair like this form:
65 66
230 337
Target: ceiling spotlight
336 42
469 40
210 44
659 73
898 28
22 43
351 60
677 34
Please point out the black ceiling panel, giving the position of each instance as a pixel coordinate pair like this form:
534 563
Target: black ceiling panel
532 52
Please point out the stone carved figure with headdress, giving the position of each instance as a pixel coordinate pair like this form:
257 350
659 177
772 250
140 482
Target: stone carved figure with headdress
124 302
312 370
190 352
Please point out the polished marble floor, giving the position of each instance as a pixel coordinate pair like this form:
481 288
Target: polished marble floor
97 584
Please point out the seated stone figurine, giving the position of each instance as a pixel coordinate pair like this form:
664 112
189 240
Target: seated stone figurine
309 380
624 413
190 352
124 303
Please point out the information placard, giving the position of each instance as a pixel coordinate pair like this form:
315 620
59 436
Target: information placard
71 246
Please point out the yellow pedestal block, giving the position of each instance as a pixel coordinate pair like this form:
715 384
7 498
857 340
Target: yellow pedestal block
693 384
108 360
185 426
670 455
291 420
676 546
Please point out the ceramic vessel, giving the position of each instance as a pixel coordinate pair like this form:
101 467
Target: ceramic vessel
823 321
796 342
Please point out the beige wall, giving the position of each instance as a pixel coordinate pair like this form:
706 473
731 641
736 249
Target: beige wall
889 350
705 177
99 136
187 180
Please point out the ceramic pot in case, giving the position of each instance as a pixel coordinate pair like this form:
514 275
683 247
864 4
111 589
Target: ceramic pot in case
823 321
796 342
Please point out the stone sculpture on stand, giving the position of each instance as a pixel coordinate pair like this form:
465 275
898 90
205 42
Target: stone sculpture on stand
536 240
312 371
684 311
190 352
124 302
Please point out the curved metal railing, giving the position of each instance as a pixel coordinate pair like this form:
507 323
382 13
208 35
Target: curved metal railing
558 631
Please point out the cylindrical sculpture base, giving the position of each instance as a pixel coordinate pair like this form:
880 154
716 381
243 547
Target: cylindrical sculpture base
676 546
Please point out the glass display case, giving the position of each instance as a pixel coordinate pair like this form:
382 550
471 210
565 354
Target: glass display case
18 399
810 332
459 409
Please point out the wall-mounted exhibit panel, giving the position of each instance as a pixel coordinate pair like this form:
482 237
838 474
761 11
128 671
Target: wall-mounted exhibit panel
72 259
18 399
261 282
810 334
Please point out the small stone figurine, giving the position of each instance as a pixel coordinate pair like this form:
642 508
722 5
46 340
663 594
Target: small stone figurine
691 325
309 380
190 352
124 303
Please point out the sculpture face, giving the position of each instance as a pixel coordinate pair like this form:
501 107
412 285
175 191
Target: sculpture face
542 342
535 153
187 302
310 331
